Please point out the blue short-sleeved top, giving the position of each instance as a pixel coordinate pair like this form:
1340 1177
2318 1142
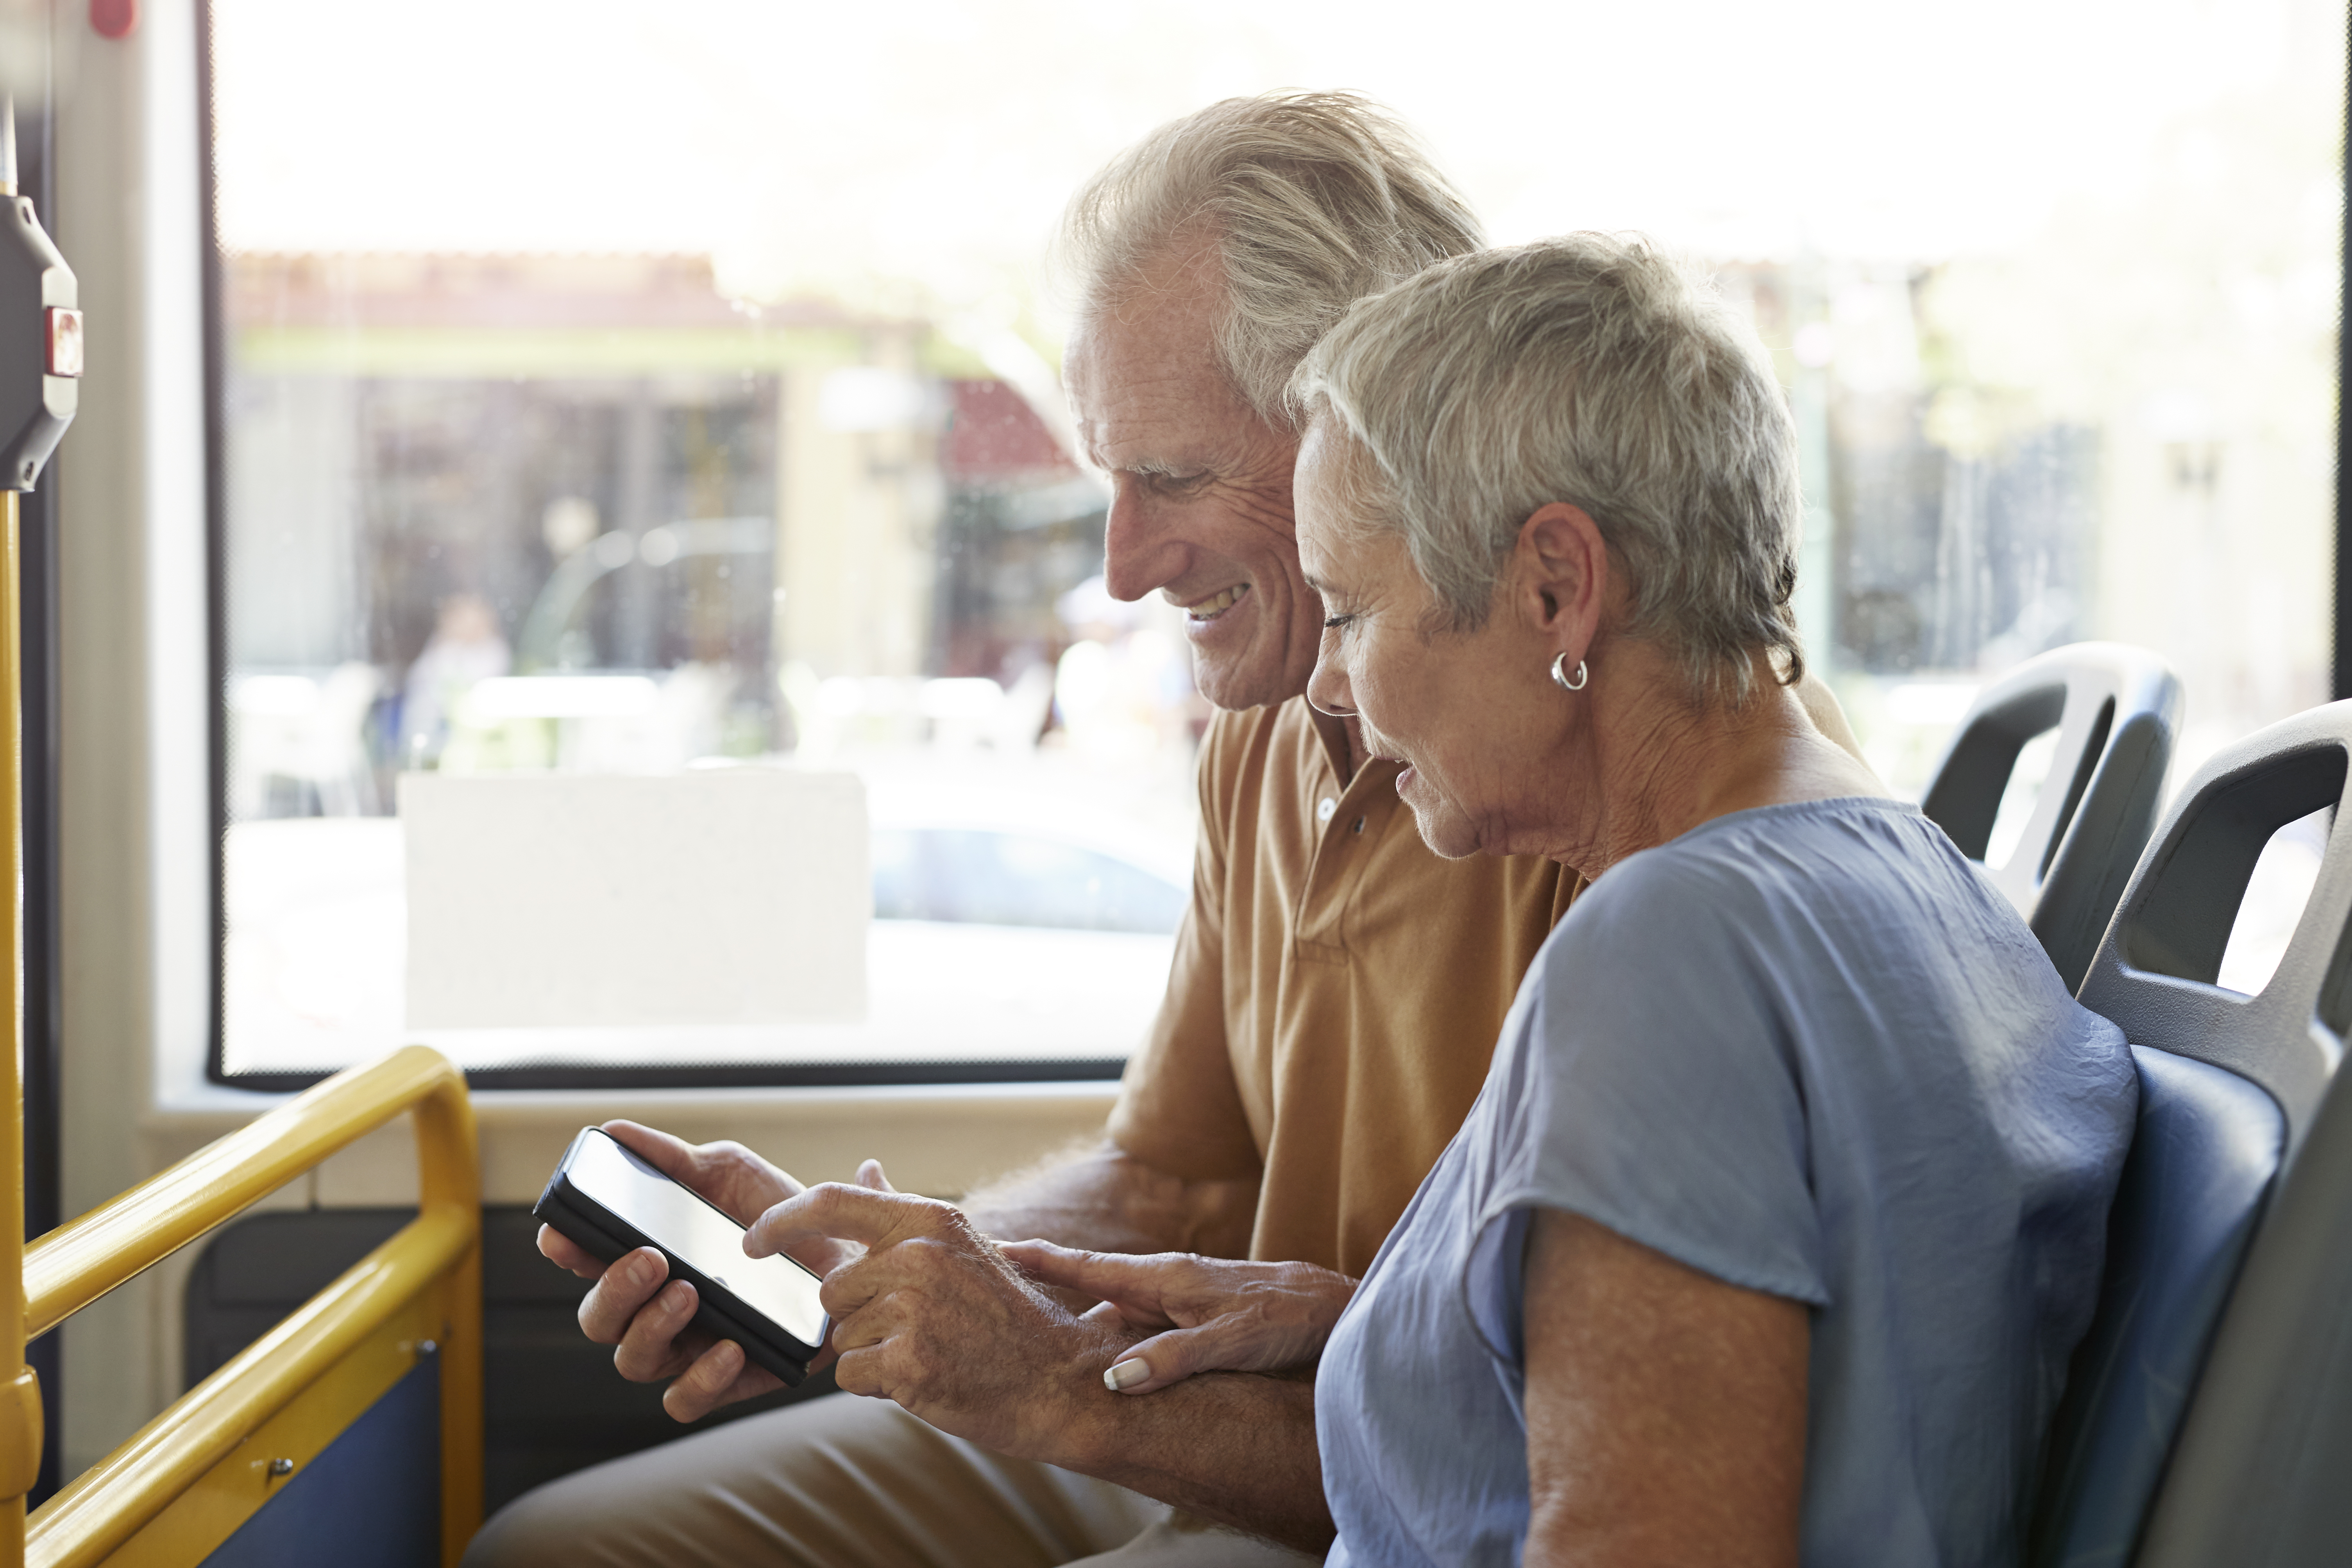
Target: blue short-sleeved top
1807 1049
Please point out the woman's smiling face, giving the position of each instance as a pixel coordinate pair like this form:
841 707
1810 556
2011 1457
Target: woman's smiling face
1472 715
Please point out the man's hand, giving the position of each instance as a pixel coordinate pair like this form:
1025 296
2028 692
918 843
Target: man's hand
936 1318
650 1326
1207 1313
933 1317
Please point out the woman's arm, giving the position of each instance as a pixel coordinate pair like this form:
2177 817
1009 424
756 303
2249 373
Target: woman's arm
1204 1314
1666 1409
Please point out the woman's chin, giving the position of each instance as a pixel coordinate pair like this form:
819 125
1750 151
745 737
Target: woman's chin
1446 831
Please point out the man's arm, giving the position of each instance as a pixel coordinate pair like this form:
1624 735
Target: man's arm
1233 1447
1103 1199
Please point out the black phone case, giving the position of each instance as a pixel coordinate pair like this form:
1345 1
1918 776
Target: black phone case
596 1230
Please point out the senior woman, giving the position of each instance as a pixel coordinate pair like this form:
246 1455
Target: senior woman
1783 1207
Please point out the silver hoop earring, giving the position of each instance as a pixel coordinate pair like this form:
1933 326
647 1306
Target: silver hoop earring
1560 673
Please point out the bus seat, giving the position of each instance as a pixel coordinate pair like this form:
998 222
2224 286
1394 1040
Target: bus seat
2258 1478
2204 1152
2116 709
2230 1086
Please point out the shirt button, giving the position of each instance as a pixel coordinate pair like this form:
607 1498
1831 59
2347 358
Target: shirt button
1325 808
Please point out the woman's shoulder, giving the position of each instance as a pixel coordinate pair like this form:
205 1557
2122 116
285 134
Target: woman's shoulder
1896 826
1768 887
1855 844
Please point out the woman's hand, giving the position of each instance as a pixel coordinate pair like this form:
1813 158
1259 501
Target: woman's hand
1205 1314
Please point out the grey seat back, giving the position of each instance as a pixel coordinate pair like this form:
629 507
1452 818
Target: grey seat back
2230 1086
2257 1475
2116 709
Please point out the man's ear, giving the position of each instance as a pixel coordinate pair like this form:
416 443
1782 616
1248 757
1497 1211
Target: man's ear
1561 566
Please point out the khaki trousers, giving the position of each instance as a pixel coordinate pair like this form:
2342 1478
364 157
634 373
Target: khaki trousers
846 1482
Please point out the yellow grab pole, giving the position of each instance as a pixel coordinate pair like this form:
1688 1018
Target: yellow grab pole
449 1177
20 1393
20 1396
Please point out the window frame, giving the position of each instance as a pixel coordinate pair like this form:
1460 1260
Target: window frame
2342 659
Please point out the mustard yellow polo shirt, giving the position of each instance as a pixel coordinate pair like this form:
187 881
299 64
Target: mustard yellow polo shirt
1336 994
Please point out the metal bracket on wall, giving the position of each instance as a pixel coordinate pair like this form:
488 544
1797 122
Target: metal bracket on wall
40 331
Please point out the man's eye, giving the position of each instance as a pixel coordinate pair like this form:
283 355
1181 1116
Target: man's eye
1333 623
1176 484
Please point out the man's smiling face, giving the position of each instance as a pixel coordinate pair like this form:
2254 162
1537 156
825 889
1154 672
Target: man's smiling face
1201 485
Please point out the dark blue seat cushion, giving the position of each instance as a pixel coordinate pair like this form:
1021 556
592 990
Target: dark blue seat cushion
2201 1162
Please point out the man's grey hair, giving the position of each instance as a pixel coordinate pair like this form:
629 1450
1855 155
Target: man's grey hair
1591 370
1313 200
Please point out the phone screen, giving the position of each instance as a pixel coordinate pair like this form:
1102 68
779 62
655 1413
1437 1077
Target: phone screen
683 1224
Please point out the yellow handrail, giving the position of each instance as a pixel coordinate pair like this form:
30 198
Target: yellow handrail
76 1263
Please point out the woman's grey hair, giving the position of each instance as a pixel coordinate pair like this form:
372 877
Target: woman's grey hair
1591 370
1313 200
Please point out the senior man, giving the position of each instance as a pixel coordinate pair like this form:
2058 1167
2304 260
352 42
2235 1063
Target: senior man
1335 996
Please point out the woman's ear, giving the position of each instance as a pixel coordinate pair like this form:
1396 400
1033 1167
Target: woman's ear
1562 566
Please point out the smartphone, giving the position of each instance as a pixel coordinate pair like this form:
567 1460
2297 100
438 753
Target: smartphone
610 1201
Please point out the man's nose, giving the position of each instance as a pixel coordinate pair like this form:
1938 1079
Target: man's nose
1327 688
1139 552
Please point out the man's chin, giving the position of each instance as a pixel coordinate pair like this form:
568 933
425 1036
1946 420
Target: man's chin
1233 684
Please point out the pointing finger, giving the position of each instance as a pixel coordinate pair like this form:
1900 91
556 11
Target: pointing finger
836 1212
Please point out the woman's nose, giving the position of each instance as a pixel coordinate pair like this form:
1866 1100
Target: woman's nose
1327 688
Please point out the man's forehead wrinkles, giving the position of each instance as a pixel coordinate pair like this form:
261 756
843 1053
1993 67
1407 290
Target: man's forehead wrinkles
1171 439
1150 386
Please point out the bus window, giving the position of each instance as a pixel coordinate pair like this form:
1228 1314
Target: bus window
615 388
